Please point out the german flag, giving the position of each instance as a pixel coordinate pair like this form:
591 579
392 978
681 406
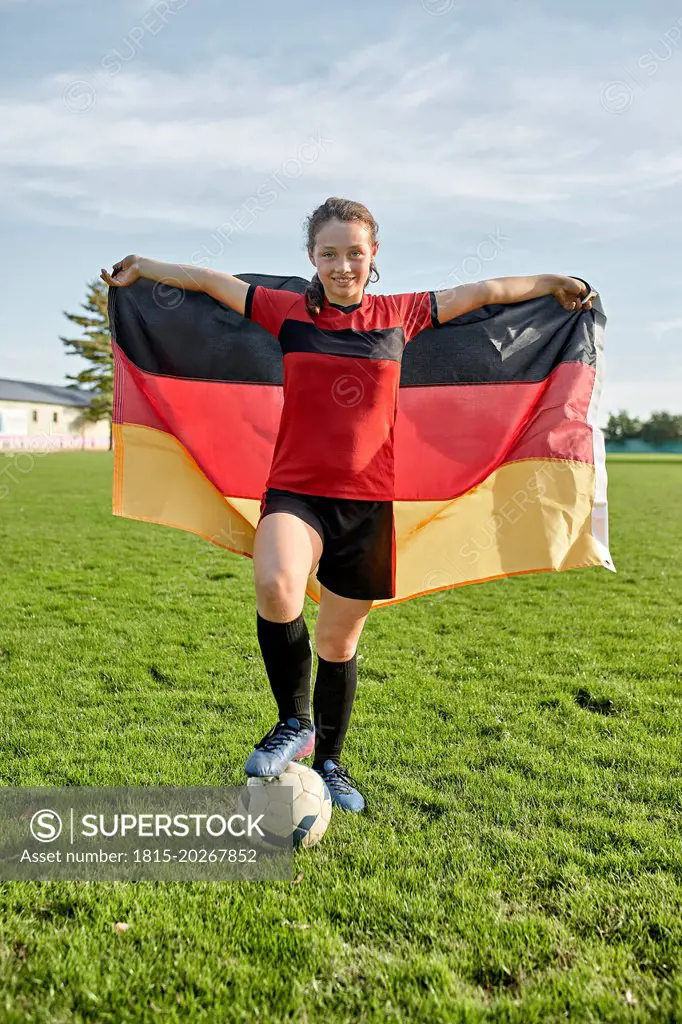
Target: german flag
499 462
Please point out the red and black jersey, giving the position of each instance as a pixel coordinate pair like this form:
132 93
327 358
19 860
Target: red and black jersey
340 389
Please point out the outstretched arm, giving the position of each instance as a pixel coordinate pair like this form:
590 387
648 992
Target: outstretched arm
223 287
568 291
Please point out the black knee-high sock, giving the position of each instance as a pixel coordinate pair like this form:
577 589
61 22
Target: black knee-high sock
288 658
333 697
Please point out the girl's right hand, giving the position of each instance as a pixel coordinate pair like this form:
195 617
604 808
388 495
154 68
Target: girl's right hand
124 273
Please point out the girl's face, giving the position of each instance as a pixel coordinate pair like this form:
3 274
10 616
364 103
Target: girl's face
342 256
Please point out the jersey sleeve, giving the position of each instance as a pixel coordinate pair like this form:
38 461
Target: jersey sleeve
417 311
268 306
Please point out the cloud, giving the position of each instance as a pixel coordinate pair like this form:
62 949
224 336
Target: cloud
123 141
669 325
639 398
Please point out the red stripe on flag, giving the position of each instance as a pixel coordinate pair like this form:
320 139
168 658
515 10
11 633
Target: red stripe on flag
451 437
448 438
229 429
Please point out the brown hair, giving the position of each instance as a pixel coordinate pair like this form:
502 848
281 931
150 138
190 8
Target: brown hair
335 208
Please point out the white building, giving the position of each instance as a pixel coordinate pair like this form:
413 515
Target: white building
47 417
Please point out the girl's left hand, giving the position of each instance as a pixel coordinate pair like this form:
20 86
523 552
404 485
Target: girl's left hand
572 294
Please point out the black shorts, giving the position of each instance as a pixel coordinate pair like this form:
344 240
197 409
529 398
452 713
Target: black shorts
358 540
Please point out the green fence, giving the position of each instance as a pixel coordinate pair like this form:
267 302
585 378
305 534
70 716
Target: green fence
634 445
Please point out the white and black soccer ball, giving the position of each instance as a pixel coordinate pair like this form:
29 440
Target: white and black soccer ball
312 805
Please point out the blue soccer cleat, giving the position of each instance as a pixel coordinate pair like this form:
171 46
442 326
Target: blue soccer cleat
286 741
341 786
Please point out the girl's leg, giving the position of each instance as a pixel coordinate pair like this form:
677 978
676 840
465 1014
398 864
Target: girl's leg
286 550
340 622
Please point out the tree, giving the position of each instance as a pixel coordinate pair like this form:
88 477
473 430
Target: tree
98 377
661 427
621 427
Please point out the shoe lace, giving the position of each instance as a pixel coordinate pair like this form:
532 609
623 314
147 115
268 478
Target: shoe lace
341 779
280 732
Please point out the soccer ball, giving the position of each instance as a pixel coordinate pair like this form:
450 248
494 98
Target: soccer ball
312 804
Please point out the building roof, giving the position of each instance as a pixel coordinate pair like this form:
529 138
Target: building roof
52 394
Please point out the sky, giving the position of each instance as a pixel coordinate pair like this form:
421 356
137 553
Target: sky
487 138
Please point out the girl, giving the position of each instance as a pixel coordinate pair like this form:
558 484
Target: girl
327 503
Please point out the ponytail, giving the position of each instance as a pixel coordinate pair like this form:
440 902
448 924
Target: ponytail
314 296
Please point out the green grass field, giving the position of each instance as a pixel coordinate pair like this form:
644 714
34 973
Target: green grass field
520 859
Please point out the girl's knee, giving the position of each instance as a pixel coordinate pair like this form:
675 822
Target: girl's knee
337 648
279 598
335 654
